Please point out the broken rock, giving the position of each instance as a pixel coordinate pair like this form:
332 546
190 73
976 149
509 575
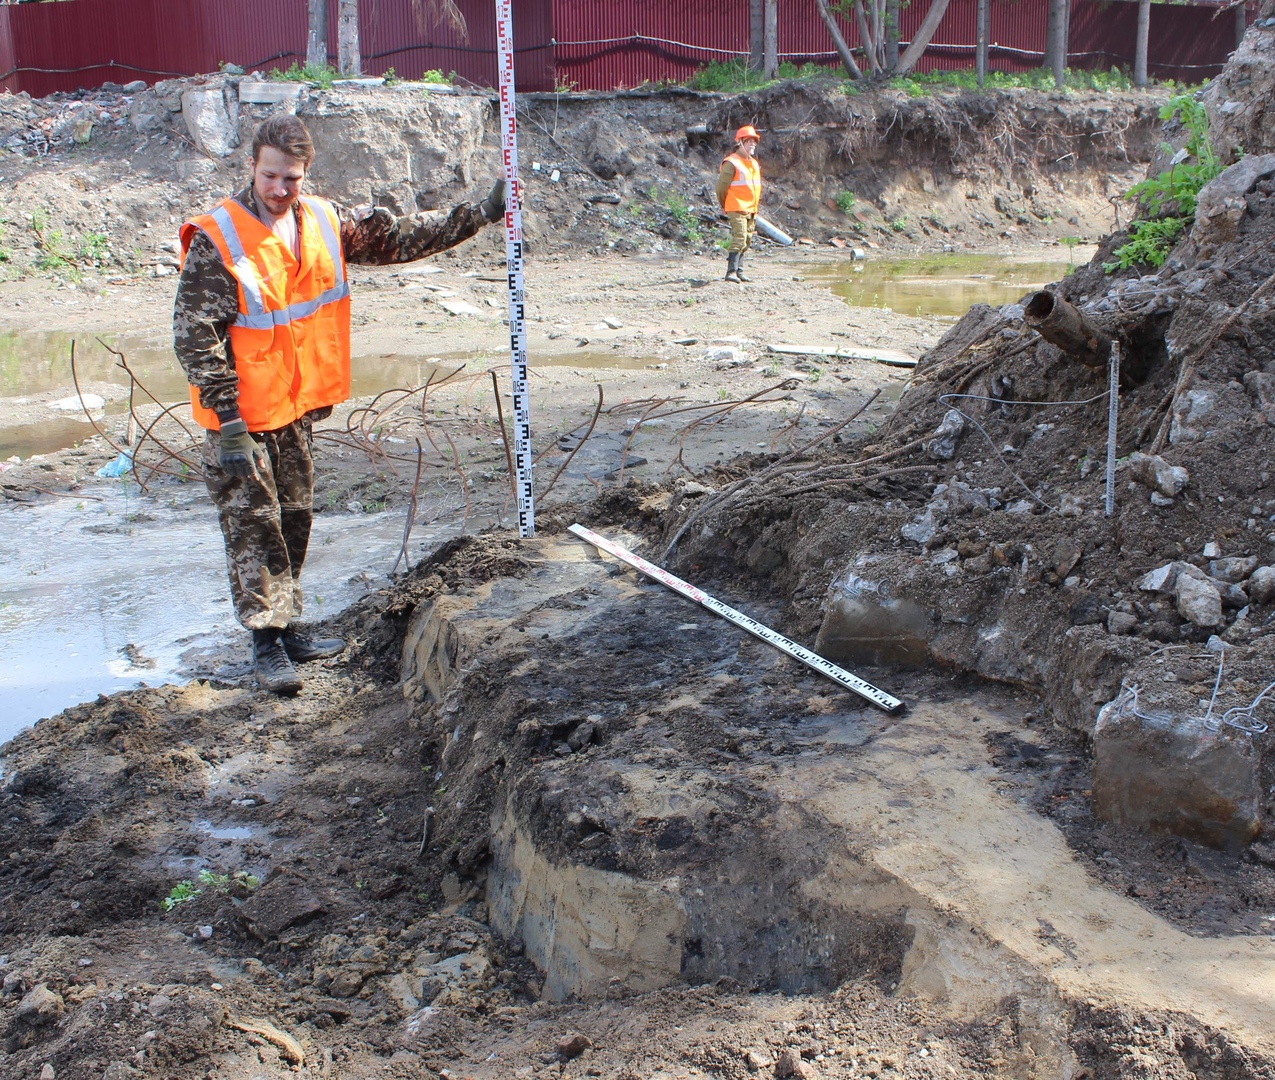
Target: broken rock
1261 585
572 1046
1199 602
790 1063
40 1007
942 445
1154 472
1233 569
1189 411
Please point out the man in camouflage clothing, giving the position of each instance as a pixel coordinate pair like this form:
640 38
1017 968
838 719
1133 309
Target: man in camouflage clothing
262 481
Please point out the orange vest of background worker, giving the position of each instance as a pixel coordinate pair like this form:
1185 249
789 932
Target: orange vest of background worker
291 342
739 193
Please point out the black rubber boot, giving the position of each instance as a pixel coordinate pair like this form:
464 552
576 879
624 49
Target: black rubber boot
270 661
739 268
732 266
302 648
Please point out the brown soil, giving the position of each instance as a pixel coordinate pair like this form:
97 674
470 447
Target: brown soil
861 874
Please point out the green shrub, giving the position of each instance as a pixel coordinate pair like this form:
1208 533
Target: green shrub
844 201
735 76
1167 202
321 75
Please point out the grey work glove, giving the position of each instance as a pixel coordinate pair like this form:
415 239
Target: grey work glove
241 454
493 207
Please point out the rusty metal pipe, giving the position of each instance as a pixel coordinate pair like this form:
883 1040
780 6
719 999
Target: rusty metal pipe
1058 322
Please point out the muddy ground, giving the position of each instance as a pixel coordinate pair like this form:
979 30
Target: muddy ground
545 819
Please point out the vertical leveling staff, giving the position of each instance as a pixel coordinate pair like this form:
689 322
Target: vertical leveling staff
513 258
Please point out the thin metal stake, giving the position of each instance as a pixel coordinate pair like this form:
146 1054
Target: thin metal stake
1113 411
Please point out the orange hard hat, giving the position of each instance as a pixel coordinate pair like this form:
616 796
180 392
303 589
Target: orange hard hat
747 132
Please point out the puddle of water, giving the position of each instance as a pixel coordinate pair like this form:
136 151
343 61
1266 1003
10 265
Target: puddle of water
226 832
39 364
102 596
944 285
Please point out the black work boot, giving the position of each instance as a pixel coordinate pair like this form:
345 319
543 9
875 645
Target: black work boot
302 648
739 268
270 661
732 266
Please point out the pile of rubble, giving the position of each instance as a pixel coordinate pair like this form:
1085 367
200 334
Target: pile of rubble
978 517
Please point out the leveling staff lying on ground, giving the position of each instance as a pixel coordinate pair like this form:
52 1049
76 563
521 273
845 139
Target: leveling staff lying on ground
262 329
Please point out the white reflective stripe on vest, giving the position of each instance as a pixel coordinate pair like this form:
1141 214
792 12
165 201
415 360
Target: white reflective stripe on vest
319 209
245 269
266 319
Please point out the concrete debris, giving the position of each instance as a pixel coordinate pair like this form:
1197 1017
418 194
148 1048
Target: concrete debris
921 530
958 498
1165 770
725 356
942 445
1233 569
1189 410
1154 472
212 118
1199 602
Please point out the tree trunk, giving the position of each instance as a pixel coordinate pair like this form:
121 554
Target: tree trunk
866 39
838 42
770 61
349 62
924 35
980 41
755 33
1140 47
1056 40
891 35
316 49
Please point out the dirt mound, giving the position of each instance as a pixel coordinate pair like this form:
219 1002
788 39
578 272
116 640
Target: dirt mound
977 518
98 180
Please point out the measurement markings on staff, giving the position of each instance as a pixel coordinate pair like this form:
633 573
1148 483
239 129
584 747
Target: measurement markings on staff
811 659
514 262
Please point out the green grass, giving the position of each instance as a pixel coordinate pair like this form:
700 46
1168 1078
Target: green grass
681 212
844 201
321 75
734 76
918 84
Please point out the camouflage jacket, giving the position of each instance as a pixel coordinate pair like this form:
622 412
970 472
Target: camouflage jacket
208 294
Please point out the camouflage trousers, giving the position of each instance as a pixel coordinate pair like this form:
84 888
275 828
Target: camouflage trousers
743 227
265 521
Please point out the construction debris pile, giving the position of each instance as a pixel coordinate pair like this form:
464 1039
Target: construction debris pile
976 520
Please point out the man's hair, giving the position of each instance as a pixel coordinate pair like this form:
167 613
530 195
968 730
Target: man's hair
286 134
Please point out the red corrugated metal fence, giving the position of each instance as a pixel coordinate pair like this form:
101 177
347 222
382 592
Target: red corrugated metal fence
60 46
589 44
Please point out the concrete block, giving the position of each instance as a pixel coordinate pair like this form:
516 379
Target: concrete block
1170 773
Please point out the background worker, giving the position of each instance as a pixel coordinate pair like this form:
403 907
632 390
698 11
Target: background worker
261 326
739 194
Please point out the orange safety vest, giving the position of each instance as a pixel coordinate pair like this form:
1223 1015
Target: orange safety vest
744 193
291 340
